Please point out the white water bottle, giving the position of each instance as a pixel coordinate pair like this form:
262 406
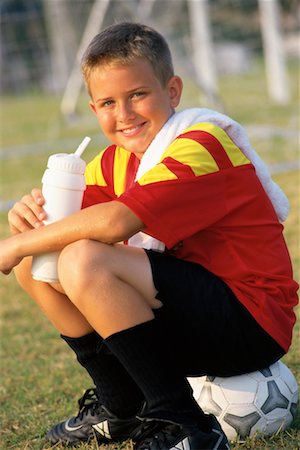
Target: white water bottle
63 188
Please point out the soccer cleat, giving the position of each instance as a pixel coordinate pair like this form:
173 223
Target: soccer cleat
162 435
92 420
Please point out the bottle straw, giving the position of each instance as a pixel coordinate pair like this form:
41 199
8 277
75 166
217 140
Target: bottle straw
80 149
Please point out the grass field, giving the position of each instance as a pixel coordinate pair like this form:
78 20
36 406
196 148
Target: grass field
40 380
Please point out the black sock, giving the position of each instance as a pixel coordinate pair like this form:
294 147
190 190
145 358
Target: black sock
146 354
115 388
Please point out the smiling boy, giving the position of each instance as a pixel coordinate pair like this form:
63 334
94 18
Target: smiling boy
132 105
141 321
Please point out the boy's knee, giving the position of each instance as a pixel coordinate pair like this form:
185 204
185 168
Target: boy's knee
73 258
77 263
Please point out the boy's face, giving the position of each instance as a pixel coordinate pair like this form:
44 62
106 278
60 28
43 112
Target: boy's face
130 103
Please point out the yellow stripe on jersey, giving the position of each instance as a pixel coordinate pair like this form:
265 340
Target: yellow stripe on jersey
93 173
159 173
120 169
235 155
193 154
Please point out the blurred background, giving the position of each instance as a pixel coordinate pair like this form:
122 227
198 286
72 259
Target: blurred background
41 38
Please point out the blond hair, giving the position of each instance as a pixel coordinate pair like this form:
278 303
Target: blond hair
122 44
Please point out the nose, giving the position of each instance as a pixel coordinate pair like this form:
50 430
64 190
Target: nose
125 112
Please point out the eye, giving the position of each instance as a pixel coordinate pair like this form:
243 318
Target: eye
138 94
107 103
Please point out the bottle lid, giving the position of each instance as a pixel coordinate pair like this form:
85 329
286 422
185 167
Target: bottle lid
67 163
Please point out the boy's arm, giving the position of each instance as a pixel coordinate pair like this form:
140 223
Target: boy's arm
109 222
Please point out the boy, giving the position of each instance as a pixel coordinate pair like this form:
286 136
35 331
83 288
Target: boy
139 320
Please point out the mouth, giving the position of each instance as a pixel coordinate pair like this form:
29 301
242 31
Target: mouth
132 131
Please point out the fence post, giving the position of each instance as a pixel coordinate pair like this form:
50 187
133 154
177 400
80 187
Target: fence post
203 52
273 51
73 87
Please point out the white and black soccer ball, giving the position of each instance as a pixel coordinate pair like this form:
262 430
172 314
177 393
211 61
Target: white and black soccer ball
264 401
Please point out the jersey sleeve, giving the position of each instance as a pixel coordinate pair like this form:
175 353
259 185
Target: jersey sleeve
99 187
187 190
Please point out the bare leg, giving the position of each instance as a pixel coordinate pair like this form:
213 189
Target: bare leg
115 388
58 308
111 285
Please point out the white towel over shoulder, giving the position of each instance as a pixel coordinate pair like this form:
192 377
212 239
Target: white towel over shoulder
176 125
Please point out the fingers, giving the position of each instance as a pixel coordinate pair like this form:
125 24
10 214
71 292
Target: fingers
17 223
28 213
37 196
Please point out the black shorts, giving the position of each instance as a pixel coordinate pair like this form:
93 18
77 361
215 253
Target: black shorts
210 332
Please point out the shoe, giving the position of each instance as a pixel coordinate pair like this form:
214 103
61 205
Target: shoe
92 420
162 435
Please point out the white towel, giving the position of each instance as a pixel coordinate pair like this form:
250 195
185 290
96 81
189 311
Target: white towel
176 125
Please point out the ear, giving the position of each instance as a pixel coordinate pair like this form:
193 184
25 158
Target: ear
92 106
174 87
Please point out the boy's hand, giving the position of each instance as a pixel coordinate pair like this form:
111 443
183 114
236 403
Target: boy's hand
28 213
8 256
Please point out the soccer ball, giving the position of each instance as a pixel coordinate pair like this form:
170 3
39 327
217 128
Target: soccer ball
263 402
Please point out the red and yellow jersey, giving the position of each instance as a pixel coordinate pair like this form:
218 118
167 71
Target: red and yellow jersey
205 202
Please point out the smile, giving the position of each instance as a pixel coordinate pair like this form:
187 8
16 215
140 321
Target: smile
132 131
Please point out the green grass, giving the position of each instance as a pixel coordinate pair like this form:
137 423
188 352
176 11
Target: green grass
36 367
